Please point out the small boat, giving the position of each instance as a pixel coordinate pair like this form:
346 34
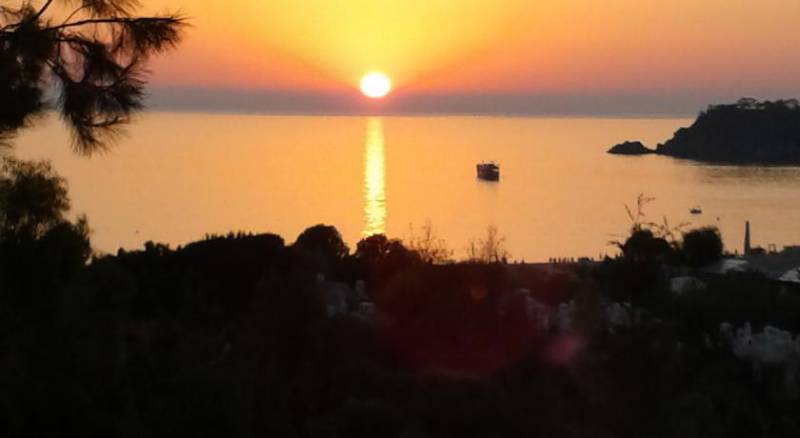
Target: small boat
696 210
488 171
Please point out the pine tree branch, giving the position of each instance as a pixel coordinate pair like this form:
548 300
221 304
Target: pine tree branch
42 10
116 20
73 14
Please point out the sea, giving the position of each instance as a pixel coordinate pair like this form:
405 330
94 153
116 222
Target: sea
175 177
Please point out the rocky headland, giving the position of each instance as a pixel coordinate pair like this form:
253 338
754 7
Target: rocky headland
630 148
746 132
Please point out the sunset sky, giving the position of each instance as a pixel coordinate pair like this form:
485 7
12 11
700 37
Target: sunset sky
625 54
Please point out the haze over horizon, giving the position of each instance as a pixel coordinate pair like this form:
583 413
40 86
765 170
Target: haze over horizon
574 57
290 102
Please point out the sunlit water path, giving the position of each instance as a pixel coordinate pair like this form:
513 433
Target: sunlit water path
374 180
178 176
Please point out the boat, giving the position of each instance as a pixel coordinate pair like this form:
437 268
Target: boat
488 171
696 210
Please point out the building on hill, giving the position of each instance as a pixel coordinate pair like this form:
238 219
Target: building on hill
782 266
342 300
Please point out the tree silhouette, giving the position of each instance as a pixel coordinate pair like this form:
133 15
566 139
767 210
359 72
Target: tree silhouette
428 245
94 57
324 245
39 246
490 249
702 246
643 246
33 198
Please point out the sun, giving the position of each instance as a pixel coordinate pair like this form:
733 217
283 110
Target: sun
376 85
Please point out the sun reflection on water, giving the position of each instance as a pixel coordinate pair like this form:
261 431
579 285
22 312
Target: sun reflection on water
374 179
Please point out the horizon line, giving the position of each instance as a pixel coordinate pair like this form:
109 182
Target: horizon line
299 102
400 114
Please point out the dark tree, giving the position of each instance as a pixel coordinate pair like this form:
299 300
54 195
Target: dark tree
702 247
39 247
378 248
33 199
324 241
644 246
379 258
93 56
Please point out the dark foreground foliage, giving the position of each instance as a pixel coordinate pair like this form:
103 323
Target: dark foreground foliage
92 52
230 336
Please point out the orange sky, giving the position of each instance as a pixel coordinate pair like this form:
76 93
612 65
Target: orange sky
489 46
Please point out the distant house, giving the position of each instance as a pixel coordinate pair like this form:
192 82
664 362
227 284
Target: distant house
335 295
342 300
726 266
534 310
772 347
684 284
783 266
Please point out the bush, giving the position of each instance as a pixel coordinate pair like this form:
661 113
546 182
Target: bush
702 247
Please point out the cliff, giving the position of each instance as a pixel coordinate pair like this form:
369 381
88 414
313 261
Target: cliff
748 131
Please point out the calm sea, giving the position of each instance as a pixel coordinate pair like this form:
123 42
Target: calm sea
177 176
